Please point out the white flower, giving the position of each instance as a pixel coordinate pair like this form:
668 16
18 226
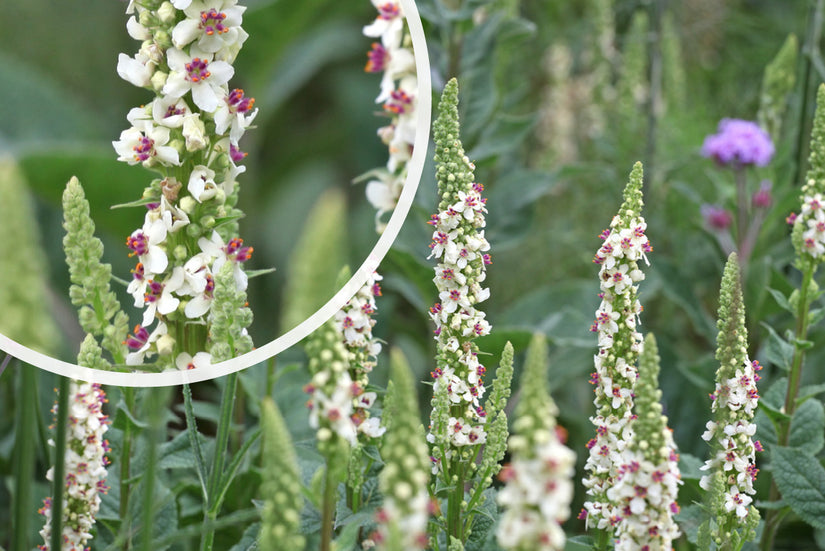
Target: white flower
734 500
235 114
140 347
136 70
145 243
160 298
169 111
145 143
215 24
186 361
198 73
202 183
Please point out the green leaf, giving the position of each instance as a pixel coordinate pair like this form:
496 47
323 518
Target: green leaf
579 543
249 540
124 417
781 299
778 351
689 519
808 427
689 467
801 480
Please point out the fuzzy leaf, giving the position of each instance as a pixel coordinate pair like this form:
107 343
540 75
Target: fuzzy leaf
808 427
781 299
801 479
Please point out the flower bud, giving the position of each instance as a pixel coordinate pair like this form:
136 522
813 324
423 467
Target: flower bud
167 13
194 230
166 344
762 198
716 217
188 204
181 253
158 80
194 133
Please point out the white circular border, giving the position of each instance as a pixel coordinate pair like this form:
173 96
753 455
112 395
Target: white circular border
170 378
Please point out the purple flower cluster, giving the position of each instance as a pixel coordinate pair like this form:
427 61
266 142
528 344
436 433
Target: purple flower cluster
739 143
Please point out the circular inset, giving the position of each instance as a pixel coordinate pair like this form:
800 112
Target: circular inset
296 334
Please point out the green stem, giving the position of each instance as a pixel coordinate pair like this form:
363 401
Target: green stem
221 439
455 524
24 446
328 508
741 208
59 478
774 516
155 410
125 465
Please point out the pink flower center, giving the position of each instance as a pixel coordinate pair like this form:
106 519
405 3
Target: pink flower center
212 22
197 70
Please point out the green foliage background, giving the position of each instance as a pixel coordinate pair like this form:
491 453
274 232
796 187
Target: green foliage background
63 104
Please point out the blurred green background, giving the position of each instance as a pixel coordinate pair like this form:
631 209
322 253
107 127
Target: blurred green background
552 153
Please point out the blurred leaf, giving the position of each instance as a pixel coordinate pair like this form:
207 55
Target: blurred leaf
689 466
410 276
124 417
778 351
781 300
502 135
60 116
808 427
675 289
579 543
801 479
177 453
689 519
306 56
249 540
106 182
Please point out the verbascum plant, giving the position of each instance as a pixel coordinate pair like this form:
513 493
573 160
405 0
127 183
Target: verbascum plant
538 481
777 84
354 323
405 512
281 487
633 87
673 65
732 465
84 461
648 480
394 59
26 317
809 225
458 420
189 134
99 310
317 259
625 245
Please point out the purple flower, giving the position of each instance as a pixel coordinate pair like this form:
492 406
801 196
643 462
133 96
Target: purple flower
739 143
716 217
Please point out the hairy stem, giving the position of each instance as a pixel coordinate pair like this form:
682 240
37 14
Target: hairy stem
59 478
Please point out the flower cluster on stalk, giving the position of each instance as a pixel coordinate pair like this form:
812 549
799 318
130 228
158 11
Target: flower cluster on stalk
189 133
739 143
538 482
354 323
405 511
625 244
648 478
732 464
85 467
393 57
459 246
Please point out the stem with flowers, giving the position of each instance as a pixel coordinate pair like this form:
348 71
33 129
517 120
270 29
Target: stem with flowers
808 238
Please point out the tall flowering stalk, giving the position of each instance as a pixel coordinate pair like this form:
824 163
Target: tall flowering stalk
392 56
84 460
648 478
732 464
808 238
354 323
625 244
403 481
458 419
538 482
281 515
189 134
